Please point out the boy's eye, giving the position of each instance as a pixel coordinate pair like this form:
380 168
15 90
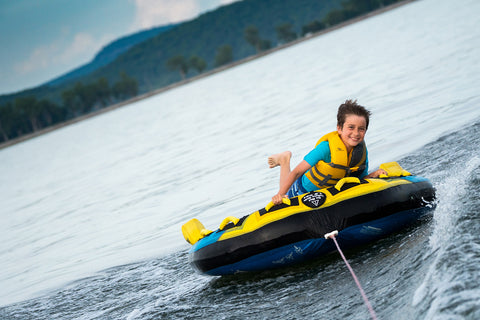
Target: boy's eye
359 129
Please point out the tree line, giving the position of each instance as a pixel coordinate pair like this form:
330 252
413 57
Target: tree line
28 114
285 33
224 53
152 66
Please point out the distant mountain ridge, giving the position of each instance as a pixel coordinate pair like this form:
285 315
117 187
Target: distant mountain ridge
150 61
144 56
109 53
146 62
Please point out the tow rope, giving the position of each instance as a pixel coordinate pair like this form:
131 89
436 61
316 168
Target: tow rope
332 235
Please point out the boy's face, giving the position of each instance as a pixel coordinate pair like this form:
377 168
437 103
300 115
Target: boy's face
353 131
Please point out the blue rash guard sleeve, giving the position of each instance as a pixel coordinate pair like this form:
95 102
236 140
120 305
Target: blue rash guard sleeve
322 153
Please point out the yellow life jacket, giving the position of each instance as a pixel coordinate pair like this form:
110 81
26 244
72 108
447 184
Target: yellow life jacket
342 164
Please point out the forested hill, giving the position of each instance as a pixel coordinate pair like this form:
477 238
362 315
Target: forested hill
128 68
203 37
109 53
146 61
53 88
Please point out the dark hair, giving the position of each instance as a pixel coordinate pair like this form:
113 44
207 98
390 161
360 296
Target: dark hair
351 107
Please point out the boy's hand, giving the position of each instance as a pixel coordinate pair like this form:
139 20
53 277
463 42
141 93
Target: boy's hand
277 199
376 174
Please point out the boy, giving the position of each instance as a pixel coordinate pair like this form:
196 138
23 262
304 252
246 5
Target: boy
337 155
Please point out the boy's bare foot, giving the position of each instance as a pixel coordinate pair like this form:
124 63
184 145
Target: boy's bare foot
279 159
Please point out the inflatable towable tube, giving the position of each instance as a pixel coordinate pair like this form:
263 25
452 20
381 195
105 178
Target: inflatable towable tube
361 210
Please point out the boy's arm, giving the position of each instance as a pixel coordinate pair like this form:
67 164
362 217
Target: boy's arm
296 173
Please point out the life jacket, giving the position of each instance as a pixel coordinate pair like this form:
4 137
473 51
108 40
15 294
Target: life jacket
342 164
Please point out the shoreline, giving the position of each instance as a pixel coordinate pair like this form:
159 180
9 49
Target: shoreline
200 76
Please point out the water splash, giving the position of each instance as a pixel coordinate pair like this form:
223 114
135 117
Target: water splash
451 191
450 285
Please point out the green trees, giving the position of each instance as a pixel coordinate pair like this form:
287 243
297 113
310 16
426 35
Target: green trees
12 122
51 113
6 120
27 114
252 36
102 91
312 27
181 64
178 63
353 8
197 63
285 33
30 108
82 98
336 16
125 88
224 55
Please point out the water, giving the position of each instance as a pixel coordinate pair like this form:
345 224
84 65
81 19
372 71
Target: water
91 214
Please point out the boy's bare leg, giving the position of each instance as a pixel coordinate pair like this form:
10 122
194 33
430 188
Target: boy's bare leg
283 160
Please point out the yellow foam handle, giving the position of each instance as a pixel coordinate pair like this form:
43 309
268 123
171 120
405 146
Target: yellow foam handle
342 181
393 169
205 232
227 220
194 230
271 204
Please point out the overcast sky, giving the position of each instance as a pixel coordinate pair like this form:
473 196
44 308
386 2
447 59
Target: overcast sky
43 39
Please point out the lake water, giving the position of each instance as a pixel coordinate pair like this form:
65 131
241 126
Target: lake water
91 213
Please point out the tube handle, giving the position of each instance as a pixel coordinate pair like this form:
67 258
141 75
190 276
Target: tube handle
227 220
270 205
342 181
